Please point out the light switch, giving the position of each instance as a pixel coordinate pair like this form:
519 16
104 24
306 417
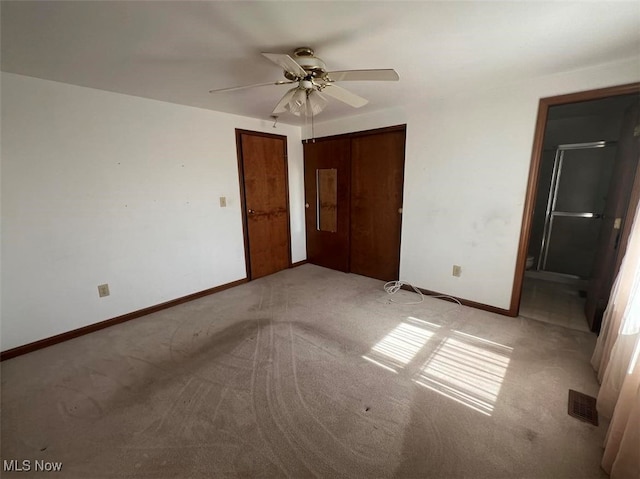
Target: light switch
103 290
223 201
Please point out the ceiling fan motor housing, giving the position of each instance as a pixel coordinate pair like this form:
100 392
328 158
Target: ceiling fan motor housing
314 66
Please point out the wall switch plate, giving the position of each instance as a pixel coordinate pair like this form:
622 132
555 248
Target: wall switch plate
457 270
103 290
223 201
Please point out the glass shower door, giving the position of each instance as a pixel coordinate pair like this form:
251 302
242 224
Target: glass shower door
580 183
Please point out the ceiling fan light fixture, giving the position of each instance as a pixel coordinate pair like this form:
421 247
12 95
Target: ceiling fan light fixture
298 101
316 102
308 102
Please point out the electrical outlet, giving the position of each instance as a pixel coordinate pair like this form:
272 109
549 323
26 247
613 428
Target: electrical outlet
103 290
223 201
457 270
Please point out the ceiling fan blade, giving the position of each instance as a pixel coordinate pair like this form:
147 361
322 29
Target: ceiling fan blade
344 96
287 63
281 107
221 90
364 75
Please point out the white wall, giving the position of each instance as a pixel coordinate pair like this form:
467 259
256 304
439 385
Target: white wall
467 164
99 187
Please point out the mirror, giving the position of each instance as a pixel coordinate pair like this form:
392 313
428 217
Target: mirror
327 199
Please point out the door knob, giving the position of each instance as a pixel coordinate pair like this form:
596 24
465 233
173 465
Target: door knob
306 205
251 212
400 210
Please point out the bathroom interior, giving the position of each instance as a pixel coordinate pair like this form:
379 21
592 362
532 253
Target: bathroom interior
576 177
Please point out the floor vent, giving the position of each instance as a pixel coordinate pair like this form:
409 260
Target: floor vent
583 407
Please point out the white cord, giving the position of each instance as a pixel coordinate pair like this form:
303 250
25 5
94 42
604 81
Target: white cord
392 287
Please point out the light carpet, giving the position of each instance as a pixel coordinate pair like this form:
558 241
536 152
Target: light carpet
306 373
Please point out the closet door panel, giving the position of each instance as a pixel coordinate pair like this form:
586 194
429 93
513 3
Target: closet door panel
377 175
327 180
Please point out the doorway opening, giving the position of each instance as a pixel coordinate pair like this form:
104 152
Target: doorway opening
579 195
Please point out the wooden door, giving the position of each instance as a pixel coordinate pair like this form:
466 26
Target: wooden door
377 178
617 218
327 171
262 162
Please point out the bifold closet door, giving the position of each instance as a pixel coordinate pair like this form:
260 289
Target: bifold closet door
377 176
327 190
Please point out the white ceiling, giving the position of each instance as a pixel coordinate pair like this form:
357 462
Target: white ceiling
176 51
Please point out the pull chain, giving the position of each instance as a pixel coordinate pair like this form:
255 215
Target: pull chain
306 116
313 133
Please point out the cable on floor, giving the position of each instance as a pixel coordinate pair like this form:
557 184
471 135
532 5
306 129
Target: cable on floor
392 287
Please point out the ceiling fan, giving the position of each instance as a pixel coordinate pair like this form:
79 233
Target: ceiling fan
314 82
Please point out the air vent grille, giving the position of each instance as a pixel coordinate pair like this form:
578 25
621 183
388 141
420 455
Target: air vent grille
583 407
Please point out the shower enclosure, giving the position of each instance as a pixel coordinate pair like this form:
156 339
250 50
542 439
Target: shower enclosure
577 191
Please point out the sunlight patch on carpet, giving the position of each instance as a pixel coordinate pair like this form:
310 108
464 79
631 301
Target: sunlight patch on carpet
467 369
400 346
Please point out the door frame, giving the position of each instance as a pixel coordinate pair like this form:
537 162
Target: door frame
243 202
534 170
